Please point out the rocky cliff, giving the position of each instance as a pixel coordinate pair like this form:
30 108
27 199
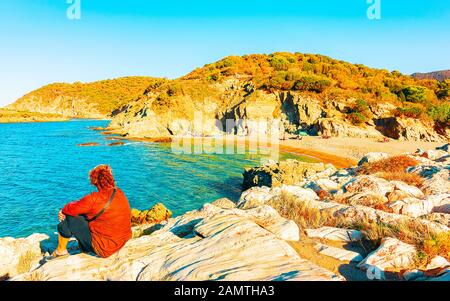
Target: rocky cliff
306 93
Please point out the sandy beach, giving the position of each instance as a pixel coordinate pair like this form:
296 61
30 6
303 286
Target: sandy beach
347 151
339 151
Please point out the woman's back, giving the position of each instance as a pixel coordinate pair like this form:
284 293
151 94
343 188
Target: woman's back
112 229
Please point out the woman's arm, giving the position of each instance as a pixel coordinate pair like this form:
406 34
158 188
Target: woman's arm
83 206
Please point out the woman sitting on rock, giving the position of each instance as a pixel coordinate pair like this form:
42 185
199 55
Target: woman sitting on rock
100 222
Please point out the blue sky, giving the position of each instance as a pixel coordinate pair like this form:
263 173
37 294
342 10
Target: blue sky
113 38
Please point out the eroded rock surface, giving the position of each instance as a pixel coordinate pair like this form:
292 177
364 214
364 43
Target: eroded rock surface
208 244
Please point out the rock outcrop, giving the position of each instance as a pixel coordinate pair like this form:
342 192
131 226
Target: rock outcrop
286 172
207 244
156 214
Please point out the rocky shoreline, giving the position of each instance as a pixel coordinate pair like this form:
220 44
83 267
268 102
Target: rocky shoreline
392 223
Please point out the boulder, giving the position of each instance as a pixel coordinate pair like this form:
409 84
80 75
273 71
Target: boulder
397 195
327 184
434 154
289 172
338 253
438 183
369 184
336 234
372 157
156 214
19 255
408 189
412 207
116 143
441 202
88 144
305 194
224 203
254 197
392 255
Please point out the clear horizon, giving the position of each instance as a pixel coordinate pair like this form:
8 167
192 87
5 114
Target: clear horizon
41 45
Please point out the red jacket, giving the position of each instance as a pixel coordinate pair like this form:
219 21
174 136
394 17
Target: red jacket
112 229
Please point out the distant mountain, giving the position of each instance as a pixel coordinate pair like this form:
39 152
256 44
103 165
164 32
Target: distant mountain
438 75
83 100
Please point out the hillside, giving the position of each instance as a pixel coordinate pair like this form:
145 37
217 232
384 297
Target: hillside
83 100
8 116
437 75
310 93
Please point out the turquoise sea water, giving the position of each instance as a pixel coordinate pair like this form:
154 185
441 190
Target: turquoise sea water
42 168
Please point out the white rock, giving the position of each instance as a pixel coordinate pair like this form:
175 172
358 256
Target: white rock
207 244
327 184
438 262
369 184
434 154
304 194
224 203
254 197
441 202
285 229
414 207
19 255
438 183
391 255
339 254
409 189
336 234
372 157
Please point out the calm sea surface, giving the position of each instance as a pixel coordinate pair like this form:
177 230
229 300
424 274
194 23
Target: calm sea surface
42 168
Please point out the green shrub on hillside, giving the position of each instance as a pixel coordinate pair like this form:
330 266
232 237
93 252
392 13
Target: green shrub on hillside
414 94
279 63
440 112
409 112
357 118
311 83
359 113
443 90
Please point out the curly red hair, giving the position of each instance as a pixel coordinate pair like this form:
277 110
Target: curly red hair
102 178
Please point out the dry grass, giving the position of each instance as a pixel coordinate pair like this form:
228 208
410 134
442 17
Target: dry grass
408 178
303 214
428 243
35 276
374 201
25 262
392 164
393 168
434 245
